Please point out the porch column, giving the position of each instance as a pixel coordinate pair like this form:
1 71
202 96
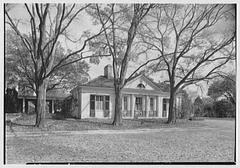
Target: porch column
167 104
132 105
143 105
35 105
128 104
147 105
122 102
23 105
49 103
177 106
160 106
157 105
180 103
52 107
154 103
26 106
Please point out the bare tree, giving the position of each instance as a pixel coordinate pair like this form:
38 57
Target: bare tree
48 22
191 33
18 62
120 24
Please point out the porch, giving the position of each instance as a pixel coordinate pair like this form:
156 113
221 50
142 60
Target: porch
27 102
144 106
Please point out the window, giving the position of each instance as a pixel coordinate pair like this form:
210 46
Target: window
141 86
106 102
138 103
125 103
151 104
99 102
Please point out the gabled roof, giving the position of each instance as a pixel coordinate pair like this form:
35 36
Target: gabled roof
103 81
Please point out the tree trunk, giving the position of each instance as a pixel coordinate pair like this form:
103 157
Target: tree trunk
118 107
172 112
41 104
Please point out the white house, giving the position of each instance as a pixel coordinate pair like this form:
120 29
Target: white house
140 97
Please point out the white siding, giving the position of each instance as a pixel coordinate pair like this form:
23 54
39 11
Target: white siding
85 105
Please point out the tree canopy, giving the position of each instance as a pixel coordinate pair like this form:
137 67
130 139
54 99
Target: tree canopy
46 25
189 44
18 73
225 86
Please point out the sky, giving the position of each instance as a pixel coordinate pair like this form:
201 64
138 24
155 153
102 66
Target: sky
77 29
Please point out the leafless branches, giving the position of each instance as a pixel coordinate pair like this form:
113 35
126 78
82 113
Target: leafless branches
47 23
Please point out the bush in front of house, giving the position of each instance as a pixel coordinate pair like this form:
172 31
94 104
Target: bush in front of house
11 102
224 108
69 108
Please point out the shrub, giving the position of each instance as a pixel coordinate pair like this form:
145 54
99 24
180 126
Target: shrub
69 107
11 102
224 108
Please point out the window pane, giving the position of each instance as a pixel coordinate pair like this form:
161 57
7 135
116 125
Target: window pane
164 107
107 98
125 102
107 105
92 105
97 105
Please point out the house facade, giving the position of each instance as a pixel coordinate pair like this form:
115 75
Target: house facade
141 98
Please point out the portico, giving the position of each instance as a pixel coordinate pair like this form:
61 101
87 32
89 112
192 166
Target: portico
143 106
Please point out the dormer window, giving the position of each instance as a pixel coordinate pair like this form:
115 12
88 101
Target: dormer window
141 86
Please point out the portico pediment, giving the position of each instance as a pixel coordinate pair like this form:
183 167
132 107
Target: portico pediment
141 82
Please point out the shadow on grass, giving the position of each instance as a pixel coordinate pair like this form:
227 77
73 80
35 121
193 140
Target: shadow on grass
10 123
108 122
60 122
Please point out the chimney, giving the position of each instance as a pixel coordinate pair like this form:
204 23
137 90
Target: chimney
108 73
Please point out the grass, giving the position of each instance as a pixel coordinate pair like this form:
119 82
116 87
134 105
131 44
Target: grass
26 123
213 142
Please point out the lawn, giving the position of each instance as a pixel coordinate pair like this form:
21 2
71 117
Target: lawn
26 123
201 141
